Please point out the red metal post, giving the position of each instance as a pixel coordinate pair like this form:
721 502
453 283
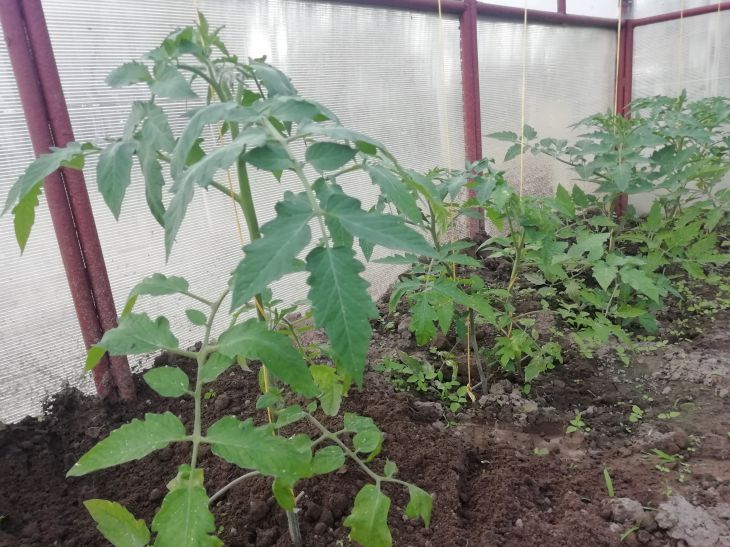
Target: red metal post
21 58
470 92
78 196
562 6
623 89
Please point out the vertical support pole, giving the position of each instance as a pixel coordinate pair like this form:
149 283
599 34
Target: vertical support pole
624 86
35 115
470 90
78 196
562 6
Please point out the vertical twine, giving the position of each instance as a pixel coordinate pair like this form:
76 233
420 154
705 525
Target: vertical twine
522 99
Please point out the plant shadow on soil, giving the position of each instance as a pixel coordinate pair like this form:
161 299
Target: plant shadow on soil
503 472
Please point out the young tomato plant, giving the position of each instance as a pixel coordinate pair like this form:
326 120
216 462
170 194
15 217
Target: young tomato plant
261 122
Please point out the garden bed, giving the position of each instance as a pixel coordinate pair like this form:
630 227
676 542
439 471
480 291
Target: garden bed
502 471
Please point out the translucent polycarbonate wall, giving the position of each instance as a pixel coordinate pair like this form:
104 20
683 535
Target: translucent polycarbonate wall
691 54
568 75
390 74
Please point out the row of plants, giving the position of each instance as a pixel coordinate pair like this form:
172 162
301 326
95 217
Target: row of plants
603 276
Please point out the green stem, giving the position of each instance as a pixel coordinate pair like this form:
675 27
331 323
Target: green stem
326 433
201 357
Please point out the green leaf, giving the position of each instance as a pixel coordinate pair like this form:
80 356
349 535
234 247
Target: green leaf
270 257
275 81
272 157
529 132
390 469
363 143
509 136
257 448
184 519
640 282
564 201
196 317
175 213
422 320
24 215
293 108
169 83
654 218
253 340
93 356
283 491
329 156
330 386
327 459
419 505
117 524
289 415
137 333
368 441
590 243
167 381
341 305
202 172
214 366
71 156
604 274
396 191
131 441
369 518
159 284
114 172
380 229
513 151
128 74
153 180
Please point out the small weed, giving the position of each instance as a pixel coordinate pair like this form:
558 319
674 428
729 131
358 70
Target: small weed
637 414
577 424
609 482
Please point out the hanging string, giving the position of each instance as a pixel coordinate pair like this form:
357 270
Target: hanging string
522 99
618 57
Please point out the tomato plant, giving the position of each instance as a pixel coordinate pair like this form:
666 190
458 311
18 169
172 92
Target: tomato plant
260 123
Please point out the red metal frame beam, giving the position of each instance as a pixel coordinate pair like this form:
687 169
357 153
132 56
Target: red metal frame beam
470 92
671 16
34 107
447 6
537 16
78 196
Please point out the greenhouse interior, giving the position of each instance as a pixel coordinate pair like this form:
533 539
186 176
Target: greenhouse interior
365 272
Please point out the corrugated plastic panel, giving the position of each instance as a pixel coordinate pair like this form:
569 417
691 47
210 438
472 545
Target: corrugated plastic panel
698 62
593 8
380 70
569 76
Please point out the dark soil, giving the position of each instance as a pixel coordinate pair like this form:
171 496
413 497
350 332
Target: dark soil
503 472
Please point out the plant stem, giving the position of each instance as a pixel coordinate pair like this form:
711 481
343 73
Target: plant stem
475 352
202 356
350 454
231 484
